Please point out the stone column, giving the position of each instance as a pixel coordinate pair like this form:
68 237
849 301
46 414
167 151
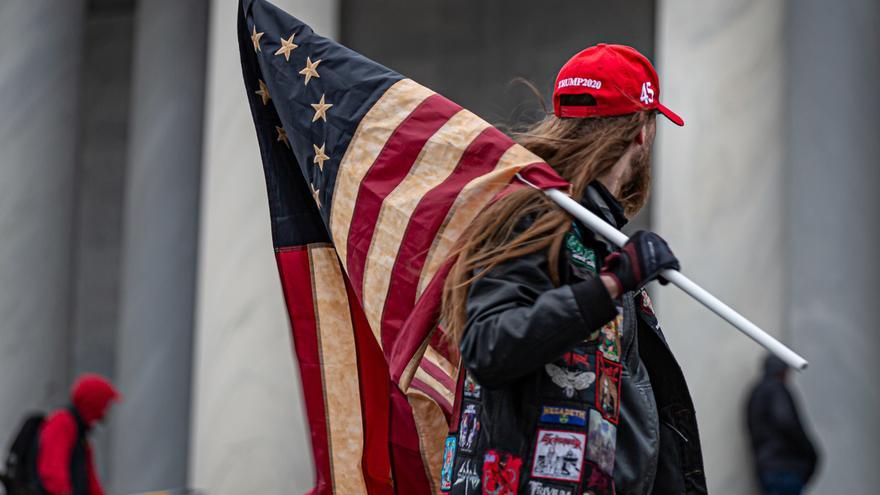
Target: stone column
834 202
247 398
39 90
719 201
154 361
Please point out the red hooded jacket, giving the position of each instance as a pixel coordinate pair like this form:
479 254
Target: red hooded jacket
91 396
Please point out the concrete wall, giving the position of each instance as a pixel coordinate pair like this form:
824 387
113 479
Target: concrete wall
248 431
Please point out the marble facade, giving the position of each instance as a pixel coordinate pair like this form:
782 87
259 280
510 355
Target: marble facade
137 243
769 181
161 226
248 430
38 150
718 195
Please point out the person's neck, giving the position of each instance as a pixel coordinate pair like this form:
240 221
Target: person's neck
617 176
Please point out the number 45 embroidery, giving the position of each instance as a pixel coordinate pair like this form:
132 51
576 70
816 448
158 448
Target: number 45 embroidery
647 94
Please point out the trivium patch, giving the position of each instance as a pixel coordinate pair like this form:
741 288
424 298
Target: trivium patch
570 381
448 460
603 439
501 472
467 479
558 455
471 388
469 428
563 416
608 388
544 488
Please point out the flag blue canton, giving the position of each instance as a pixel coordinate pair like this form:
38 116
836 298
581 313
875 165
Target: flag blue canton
320 112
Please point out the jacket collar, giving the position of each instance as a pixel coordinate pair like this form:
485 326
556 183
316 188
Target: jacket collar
600 201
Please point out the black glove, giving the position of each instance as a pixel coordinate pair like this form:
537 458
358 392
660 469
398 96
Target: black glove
640 260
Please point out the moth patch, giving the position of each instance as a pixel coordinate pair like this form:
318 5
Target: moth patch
563 416
467 478
570 381
603 439
608 388
469 427
558 455
501 472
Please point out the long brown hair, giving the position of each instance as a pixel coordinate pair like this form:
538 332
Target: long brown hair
580 150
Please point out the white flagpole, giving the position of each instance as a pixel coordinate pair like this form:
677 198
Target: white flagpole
618 238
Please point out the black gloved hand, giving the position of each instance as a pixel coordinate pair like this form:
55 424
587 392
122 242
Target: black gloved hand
640 260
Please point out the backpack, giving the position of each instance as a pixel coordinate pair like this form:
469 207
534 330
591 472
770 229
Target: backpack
21 461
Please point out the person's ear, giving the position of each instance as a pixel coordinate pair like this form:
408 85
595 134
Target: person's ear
641 136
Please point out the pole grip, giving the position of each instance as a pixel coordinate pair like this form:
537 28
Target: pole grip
678 279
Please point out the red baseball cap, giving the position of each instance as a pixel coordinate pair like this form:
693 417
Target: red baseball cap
608 80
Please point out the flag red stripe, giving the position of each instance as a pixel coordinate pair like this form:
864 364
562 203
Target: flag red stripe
480 158
441 401
390 168
423 317
407 466
438 374
374 383
293 266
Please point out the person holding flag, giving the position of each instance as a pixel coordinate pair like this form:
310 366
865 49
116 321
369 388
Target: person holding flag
567 381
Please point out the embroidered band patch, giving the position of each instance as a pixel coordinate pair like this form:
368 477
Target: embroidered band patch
501 472
563 416
448 461
558 455
603 438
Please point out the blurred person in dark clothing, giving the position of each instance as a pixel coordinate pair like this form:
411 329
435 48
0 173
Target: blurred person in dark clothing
785 457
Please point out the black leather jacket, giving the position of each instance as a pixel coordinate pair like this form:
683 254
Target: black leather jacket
566 391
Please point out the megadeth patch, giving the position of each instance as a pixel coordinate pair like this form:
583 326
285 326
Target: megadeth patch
603 438
467 479
501 472
563 416
471 387
608 388
558 455
543 488
469 427
596 482
568 380
448 460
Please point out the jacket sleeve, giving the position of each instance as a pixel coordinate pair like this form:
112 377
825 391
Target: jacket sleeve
518 321
56 446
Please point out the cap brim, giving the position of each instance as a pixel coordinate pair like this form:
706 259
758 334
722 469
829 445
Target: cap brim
670 114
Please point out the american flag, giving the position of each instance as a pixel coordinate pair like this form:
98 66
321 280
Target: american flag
372 179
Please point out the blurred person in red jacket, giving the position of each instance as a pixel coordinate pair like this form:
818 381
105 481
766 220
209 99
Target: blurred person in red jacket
65 464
